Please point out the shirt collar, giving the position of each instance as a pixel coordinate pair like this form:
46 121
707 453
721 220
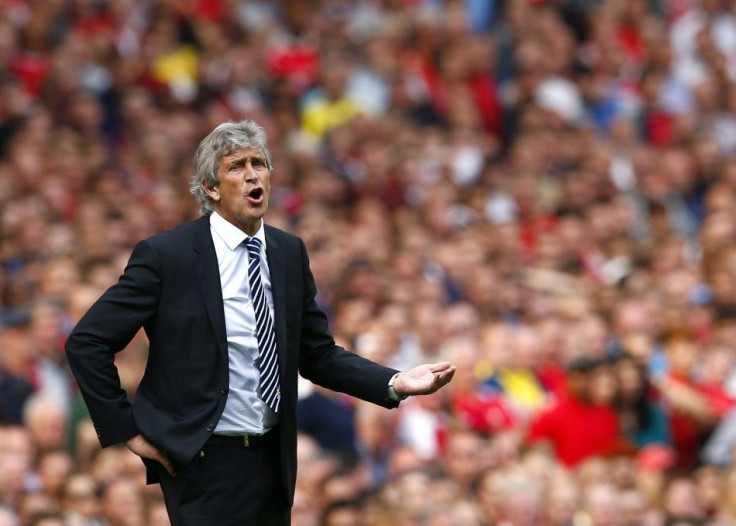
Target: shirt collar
231 235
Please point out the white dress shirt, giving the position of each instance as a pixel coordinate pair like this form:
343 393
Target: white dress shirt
245 412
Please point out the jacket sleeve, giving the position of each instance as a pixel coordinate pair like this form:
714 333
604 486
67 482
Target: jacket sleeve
108 326
329 365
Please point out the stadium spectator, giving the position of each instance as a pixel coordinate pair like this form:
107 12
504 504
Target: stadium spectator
511 185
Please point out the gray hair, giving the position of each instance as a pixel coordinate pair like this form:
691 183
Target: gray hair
223 140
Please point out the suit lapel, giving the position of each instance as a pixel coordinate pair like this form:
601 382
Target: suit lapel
208 279
277 268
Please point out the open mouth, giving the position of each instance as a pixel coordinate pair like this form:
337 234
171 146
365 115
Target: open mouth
255 194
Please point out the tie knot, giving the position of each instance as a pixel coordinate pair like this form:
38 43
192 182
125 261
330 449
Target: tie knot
253 243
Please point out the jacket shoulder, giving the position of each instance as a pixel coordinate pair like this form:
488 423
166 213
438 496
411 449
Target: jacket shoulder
284 244
196 234
282 235
184 235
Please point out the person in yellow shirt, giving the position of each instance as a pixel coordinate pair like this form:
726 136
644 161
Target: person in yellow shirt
327 106
514 373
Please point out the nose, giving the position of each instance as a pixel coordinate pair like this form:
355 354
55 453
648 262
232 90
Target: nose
249 173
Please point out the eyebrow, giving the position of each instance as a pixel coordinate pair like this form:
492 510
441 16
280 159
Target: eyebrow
246 158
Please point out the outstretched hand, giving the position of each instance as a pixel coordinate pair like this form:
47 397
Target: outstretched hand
424 379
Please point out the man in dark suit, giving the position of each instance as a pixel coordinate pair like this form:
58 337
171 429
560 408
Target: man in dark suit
228 305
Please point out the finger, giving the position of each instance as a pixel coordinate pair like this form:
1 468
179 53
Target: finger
166 463
163 460
169 466
440 366
444 377
445 372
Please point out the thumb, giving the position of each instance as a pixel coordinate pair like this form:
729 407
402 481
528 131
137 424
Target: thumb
166 463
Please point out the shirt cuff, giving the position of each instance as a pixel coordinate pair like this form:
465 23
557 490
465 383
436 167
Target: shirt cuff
392 394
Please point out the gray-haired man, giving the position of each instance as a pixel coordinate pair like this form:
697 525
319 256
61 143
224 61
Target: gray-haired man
228 304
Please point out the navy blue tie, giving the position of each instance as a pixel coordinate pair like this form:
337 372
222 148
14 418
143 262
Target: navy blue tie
268 360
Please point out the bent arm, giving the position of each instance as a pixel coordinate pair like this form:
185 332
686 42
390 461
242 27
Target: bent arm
108 326
329 365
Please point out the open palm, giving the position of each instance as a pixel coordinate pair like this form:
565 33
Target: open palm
424 379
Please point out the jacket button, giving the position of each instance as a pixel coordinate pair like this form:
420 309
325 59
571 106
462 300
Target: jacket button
210 427
223 390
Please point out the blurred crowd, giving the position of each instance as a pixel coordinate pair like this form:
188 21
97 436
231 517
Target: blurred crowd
541 191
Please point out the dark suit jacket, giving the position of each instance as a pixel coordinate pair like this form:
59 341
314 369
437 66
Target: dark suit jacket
171 288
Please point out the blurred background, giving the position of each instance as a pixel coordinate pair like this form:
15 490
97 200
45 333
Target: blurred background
542 191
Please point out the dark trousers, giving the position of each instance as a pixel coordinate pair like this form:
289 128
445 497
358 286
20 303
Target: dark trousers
226 485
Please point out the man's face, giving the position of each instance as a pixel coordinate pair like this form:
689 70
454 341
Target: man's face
244 189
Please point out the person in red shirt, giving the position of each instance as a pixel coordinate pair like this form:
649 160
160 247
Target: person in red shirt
583 423
692 409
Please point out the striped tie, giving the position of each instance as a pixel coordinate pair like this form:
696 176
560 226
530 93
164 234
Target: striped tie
268 361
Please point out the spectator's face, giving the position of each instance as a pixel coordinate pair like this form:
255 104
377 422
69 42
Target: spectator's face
244 189
562 502
682 355
463 458
602 385
718 366
527 348
522 508
15 443
630 378
48 427
413 493
107 465
46 328
60 279
638 345
681 500
577 384
80 496
334 74
53 469
13 471
602 505
631 317
709 487
35 503
633 507
123 503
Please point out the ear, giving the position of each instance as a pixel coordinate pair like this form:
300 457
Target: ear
213 192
